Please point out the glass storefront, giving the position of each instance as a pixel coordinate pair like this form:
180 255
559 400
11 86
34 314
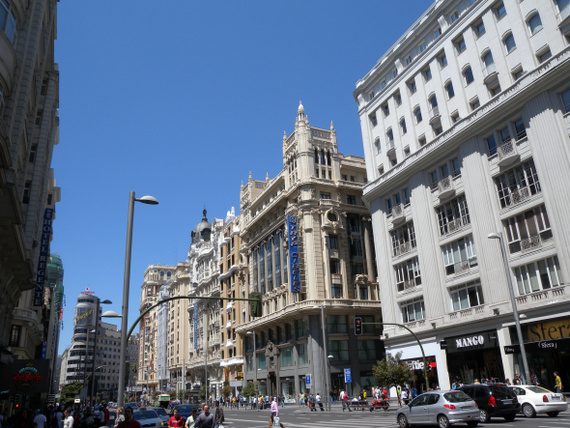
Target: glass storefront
288 389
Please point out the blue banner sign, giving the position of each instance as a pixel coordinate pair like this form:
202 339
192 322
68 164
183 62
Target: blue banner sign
44 256
347 376
294 274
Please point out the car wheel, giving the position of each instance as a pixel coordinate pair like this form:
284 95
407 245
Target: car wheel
442 421
510 417
472 424
483 416
552 414
403 421
528 410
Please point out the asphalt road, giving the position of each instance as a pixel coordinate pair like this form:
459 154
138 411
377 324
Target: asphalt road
293 416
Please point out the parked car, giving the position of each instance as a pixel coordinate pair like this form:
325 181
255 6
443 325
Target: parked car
161 411
536 399
148 419
185 410
134 406
493 400
439 407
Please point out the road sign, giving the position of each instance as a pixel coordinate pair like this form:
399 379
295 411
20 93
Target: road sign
256 386
308 381
347 376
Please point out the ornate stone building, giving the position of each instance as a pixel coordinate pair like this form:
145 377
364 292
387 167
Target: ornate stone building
306 240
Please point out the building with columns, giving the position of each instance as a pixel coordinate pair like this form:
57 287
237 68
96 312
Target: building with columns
465 124
306 241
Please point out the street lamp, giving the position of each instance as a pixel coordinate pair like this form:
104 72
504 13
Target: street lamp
499 236
150 200
326 360
252 333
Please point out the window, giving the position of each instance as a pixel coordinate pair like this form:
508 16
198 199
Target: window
377 145
449 89
336 291
408 60
27 192
505 134
466 296
491 145
336 324
565 97
333 242
518 184
534 24
455 116
423 46
537 276
300 328
519 128
325 195
459 256
422 141
15 334
460 45
528 231
427 73
479 28
403 239
437 32
286 357
339 350
517 72
385 109
397 98
509 43
495 88
474 103
408 274
456 167
442 59
373 119
453 17
351 199
412 86
563 8
371 95
468 75
390 136
302 352
489 62
544 55
366 350
500 10
403 127
418 112
33 153
413 310
7 21
383 84
453 215
434 110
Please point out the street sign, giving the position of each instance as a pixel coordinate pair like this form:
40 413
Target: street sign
256 386
347 376
308 381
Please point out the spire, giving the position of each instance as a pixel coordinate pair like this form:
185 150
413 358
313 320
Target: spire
266 176
301 111
332 128
249 176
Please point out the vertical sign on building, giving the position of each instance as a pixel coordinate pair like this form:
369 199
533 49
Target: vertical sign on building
196 325
294 276
43 259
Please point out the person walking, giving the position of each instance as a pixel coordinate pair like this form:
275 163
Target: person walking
68 418
120 416
345 402
176 421
319 402
40 420
557 382
192 418
129 421
218 416
274 407
205 419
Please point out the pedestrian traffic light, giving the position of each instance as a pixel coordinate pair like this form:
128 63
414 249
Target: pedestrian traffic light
357 326
255 305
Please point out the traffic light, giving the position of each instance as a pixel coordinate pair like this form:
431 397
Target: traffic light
255 305
357 326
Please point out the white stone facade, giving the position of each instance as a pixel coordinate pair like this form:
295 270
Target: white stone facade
465 124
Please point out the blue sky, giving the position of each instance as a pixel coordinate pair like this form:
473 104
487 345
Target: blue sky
181 99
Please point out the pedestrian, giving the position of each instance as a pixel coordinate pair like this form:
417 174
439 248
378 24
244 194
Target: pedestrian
205 419
192 418
129 421
176 421
405 396
282 401
218 416
274 407
557 382
534 380
319 402
120 416
275 421
312 402
69 420
345 402
399 394
40 420
106 414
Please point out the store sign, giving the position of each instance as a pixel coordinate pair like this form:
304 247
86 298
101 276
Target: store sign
308 381
548 330
43 258
294 272
25 377
469 342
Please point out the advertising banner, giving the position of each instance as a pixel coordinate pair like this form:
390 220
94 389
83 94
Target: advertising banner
294 274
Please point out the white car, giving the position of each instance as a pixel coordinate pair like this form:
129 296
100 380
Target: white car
536 399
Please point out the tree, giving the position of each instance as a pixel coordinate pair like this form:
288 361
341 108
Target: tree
391 371
202 393
69 392
248 390
226 391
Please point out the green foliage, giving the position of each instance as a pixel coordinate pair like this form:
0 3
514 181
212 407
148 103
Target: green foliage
226 391
391 371
181 395
69 392
249 390
202 393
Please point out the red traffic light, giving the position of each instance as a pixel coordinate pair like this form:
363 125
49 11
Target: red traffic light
357 326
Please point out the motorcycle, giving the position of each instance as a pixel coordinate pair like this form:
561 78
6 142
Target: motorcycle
380 403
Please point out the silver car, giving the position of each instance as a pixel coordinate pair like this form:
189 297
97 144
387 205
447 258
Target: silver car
441 408
148 419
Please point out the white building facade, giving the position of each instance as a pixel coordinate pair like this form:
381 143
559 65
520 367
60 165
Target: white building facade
465 124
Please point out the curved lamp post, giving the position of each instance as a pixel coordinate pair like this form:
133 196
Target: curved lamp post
326 359
150 200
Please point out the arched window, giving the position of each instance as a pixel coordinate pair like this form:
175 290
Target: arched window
418 114
509 43
468 75
489 62
535 23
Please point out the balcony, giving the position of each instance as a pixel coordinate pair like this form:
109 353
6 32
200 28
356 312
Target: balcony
398 215
407 285
402 249
531 243
491 74
454 226
445 188
519 196
508 153
434 115
390 147
460 267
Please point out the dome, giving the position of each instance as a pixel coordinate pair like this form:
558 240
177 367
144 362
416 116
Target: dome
202 231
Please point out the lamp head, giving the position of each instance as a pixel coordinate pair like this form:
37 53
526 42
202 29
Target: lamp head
149 200
111 314
494 236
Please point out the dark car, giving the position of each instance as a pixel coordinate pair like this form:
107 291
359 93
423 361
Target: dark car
185 410
493 400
